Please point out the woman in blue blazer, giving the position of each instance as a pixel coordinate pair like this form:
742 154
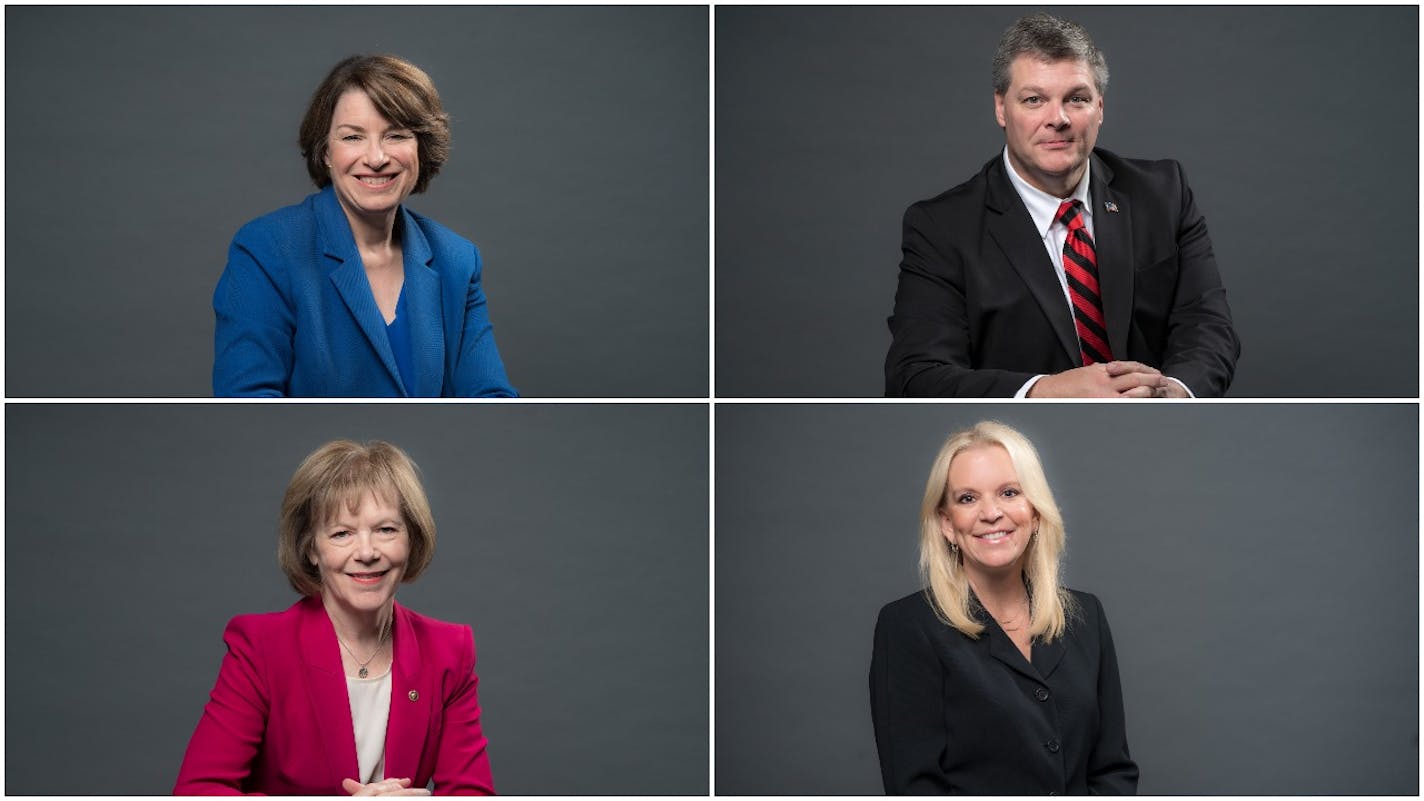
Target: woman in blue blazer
350 294
995 679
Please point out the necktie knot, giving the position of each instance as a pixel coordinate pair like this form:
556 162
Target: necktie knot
1070 214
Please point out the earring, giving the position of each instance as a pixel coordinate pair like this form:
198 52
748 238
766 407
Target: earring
954 549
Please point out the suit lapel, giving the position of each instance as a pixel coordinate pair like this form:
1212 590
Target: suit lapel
1004 650
1112 235
422 302
326 687
998 643
409 717
1046 656
334 231
1013 231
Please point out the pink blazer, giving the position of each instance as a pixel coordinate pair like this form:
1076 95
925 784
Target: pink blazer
279 721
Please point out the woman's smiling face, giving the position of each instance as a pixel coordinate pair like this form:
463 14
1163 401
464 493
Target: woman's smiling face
373 162
986 513
361 553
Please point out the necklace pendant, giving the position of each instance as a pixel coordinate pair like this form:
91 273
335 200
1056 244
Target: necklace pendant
361 672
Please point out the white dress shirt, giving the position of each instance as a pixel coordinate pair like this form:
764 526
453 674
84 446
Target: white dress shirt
1042 208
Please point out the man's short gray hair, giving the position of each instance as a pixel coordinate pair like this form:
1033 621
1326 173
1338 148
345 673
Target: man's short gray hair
1048 37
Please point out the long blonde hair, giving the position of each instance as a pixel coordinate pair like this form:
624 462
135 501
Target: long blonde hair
942 570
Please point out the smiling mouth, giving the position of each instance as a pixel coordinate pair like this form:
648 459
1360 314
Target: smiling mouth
377 180
368 578
993 536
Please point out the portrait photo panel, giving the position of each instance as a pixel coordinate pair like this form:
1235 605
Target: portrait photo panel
571 539
1257 566
140 139
832 121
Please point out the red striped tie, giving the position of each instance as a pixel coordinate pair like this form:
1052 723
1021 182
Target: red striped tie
1080 264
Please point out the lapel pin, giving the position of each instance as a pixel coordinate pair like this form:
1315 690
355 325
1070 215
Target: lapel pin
1110 206
413 695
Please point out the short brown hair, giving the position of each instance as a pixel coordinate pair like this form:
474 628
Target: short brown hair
401 91
1049 38
340 474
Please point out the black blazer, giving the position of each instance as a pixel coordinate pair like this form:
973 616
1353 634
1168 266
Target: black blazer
955 715
979 310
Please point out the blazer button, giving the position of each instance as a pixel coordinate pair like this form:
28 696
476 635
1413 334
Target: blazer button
413 695
1041 694
1052 746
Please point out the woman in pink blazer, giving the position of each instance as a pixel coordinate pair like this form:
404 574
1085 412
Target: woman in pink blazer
346 692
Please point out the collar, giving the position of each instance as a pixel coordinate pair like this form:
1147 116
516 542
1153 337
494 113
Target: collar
321 650
422 290
337 241
1046 656
1043 207
413 695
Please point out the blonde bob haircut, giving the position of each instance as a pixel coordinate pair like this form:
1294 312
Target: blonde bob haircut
942 570
338 475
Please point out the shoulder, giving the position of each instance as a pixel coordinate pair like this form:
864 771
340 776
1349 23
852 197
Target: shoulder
287 220
1154 174
911 612
911 628
967 196
446 642
259 631
284 240
445 244
1085 600
427 626
1086 611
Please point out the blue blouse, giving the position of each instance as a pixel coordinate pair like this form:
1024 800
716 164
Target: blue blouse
398 332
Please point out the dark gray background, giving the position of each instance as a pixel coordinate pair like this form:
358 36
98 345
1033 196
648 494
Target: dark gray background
138 140
1298 129
572 538
1258 564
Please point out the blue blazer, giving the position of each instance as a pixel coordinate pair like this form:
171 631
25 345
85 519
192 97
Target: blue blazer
296 316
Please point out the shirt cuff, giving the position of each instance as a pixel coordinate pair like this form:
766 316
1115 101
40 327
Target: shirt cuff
1186 388
1028 385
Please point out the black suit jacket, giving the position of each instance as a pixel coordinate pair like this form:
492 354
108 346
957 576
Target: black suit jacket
979 309
955 715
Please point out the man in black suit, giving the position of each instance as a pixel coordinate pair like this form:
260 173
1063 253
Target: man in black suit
1060 270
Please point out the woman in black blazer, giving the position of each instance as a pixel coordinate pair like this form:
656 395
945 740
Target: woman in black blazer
995 679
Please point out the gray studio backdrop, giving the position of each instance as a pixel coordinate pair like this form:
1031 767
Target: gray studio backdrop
138 140
1297 128
1258 564
573 539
